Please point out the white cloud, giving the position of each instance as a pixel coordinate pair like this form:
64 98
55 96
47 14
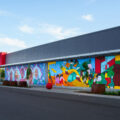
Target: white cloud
58 31
5 13
26 29
12 42
87 17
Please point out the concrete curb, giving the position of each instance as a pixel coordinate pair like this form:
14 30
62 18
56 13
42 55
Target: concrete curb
65 91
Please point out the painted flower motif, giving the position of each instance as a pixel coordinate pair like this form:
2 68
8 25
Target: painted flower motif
67 65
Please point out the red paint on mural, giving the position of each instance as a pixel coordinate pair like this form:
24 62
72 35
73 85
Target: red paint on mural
111 63
98 61
116 77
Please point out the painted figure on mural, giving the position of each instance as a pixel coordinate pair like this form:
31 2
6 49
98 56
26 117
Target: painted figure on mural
61 80
22 72
36 77
57 79
16 75
11 76
99 79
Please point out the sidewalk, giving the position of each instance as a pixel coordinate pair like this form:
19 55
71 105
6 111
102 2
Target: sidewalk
65 91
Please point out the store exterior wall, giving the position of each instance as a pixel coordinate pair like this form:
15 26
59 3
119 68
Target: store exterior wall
18 73
84 72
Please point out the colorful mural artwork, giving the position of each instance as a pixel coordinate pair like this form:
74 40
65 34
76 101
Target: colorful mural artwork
18 73
75 72
85 72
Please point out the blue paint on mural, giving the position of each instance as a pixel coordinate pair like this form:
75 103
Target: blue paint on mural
18 73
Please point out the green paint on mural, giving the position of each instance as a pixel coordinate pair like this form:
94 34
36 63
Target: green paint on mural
117 62
110 71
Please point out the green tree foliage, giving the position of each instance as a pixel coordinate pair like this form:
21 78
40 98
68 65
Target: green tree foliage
2 73
28 72
85 68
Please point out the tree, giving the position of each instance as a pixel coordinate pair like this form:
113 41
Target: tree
28 72
2 73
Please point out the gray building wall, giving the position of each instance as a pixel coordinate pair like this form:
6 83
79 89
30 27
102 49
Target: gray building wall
94 42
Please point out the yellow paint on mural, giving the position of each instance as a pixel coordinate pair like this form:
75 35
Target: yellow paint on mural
54 70
106 76
117 58
75 83
50 63
117 87
79 84
63 69
73 70
87 80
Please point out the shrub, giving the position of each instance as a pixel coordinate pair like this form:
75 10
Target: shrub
118 92
6 83
23 84
13 83
3 73
111 93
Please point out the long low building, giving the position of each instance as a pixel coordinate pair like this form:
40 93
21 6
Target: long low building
73 62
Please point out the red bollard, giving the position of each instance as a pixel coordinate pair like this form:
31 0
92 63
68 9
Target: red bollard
49 85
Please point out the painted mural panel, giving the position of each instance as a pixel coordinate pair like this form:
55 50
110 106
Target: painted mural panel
110 71
77 72
85 72
18 73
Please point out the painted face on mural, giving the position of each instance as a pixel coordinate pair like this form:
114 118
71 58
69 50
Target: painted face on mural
16 75
36 73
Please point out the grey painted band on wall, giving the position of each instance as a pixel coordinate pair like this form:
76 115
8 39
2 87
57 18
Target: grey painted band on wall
67 57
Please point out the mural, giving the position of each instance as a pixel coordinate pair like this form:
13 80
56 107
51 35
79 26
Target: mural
75 72
85 72
18 73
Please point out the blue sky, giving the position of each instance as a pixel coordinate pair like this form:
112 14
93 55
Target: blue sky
26 23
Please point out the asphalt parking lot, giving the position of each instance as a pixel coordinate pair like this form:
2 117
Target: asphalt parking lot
21 104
